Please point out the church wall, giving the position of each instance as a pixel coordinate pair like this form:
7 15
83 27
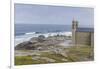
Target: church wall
92 39
83 38
73 37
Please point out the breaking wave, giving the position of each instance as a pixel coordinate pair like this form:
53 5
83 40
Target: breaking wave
29 35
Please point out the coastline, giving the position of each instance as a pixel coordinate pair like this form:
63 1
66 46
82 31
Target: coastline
28 36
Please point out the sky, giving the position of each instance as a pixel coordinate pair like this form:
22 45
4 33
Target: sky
48 14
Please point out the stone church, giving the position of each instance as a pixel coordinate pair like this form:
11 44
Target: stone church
82 36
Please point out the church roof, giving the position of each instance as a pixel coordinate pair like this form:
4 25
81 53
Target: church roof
85 30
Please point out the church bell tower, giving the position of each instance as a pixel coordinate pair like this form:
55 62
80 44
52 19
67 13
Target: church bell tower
74 24
74 27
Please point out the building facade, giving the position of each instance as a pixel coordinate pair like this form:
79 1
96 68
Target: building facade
82 36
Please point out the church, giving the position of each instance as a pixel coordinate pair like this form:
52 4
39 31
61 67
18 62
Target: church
82 35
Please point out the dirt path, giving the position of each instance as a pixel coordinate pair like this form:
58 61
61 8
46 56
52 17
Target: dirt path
66 43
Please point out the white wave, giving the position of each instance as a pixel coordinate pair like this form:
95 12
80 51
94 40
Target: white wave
30 33
28 36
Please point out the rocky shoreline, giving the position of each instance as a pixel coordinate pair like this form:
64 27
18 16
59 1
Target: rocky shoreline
44 43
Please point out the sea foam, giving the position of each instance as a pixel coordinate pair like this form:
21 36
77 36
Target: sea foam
28 36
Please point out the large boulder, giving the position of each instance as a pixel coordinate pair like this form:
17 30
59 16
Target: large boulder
41 38
27 45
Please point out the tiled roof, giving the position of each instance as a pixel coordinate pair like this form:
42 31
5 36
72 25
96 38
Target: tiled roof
85 30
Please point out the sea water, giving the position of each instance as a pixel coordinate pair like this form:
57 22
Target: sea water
23 32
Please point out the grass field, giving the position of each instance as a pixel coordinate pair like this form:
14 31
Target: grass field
74 54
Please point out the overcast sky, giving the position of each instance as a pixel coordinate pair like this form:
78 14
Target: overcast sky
44 14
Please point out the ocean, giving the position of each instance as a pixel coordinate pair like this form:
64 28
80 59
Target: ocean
24 32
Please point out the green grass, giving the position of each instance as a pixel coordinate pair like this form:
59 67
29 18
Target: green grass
26 60
23 60
74 54
57 57
80 53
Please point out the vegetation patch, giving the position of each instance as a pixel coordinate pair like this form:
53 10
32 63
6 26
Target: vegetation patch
80 53
27 60
74 54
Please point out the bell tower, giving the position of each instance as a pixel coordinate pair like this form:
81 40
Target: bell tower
74 27
74 24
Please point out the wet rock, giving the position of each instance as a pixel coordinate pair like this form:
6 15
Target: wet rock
25 46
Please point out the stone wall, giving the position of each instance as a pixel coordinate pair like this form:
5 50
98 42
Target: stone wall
73 37
83 38
92 39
